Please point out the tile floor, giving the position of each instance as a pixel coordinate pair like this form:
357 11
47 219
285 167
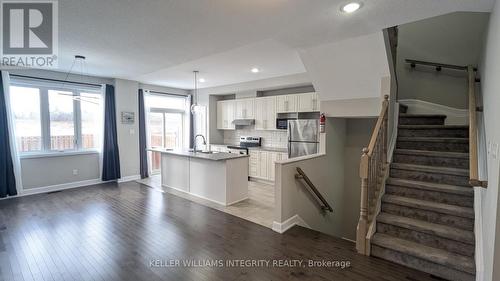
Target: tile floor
258 208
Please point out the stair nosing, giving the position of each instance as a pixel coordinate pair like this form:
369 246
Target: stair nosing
442 208
431 169
438 230
431 153
438 187
425 252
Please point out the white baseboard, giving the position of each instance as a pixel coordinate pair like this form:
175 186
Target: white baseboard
58 187
478 232
289 223
455 116
129 178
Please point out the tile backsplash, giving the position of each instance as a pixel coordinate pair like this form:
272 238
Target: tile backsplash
269 138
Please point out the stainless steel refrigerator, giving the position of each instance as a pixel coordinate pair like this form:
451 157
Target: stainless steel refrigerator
303 137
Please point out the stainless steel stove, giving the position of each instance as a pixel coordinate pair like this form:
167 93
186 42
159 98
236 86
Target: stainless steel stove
245 143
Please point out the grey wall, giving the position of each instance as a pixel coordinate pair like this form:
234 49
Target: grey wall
358 133
128 134
490 84
48 171
452 39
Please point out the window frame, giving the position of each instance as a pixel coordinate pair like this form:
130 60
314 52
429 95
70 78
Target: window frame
44 87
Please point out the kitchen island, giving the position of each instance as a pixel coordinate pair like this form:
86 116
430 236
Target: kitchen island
218 177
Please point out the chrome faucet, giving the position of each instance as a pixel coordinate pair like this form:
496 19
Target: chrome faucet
204 141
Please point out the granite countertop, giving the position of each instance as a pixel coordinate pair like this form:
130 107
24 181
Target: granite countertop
265 148
216 156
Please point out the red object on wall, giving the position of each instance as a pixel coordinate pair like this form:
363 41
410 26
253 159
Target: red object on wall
322 120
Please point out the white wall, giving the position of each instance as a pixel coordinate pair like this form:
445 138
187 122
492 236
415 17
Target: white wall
349 69
490 84
452 39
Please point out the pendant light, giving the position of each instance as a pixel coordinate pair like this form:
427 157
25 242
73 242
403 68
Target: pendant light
195 94
78 60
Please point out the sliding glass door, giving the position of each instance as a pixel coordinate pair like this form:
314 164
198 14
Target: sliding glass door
167 126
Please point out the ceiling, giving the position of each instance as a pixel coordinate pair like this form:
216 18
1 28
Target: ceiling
161 41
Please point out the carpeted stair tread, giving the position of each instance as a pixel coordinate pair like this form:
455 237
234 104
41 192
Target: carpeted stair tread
443 231
431 153
429 206
434 139
441 127
438 256
408 115
431 169
439 187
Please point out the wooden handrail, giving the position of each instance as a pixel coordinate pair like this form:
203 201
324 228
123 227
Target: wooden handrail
301 175
373 168
378 126
473 153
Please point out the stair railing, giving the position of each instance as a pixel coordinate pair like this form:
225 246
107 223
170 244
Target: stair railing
372 170
314 191
473 151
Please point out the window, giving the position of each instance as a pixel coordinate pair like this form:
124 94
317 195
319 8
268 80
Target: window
27 118
167 123
56 118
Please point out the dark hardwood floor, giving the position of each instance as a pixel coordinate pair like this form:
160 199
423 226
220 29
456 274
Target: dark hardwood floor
115 232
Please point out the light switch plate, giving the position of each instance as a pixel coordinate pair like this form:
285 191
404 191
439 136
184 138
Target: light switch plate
132 131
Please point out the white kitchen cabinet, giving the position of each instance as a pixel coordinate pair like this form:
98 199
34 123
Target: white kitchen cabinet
286 103
307 102
262 163
245 108
265 113
225 115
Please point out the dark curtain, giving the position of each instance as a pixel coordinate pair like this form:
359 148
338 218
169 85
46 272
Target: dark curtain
7 176
111 157
191 125
142 137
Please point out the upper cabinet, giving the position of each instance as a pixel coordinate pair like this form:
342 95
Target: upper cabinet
245 108
225 115
264 109
286 104
265 113
307 102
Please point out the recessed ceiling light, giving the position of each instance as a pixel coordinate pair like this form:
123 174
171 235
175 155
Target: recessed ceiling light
255 70
202 80
351 7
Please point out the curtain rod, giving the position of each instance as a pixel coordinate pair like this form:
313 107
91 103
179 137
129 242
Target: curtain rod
163 93
55 80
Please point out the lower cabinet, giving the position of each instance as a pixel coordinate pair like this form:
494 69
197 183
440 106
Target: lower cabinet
261 163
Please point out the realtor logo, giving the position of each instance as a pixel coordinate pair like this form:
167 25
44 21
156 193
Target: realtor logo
29 34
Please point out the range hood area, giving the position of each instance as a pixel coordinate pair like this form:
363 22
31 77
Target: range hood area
244 122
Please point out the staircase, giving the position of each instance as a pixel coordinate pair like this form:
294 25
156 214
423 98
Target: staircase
426 218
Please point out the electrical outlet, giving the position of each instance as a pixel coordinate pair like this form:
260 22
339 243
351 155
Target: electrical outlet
75 172
132 131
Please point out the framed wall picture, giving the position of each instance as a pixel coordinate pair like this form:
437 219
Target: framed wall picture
128 117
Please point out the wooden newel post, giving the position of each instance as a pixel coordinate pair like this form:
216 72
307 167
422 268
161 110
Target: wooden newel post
362 229
384 130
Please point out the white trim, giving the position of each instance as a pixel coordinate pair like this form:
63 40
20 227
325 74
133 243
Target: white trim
31 155
455 116
289 223
237 201
478 231
129 178
58 187
394 136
